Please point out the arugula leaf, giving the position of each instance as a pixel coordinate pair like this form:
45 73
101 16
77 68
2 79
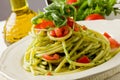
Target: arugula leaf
112 2
90 2
58 12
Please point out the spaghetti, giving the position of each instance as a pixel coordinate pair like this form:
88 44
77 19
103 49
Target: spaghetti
70 48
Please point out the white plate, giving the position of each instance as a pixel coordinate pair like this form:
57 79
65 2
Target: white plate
10 61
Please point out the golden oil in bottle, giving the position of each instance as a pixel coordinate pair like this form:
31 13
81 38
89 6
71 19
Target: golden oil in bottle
19 23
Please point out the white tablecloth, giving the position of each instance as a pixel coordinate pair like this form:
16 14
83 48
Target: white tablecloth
116 75
2 44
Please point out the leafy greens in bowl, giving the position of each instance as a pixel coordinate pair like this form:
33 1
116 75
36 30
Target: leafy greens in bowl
85 8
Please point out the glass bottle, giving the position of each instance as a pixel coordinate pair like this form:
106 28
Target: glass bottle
19 23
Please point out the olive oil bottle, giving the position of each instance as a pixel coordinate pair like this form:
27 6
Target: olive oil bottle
19 23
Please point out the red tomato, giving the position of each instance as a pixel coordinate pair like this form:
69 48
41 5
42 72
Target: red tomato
52 33
106 35
113 43
44 24
70 22
56 56
84 27
71 1
49 74
51 57
47 57
58 32
65 30
76 28
83 59
94 17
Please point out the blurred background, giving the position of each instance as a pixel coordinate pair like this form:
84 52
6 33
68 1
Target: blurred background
5 8
35 5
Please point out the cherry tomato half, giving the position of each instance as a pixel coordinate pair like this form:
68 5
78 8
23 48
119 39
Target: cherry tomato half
106 35
113 42
71 1
83 59
44 24
59 32
94 17
51 57
70 22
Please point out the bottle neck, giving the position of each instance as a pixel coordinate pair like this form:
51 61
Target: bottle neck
17 5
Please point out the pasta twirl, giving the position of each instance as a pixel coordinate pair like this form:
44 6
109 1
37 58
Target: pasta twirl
69 48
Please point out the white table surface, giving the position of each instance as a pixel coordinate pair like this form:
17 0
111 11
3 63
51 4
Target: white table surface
3 46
